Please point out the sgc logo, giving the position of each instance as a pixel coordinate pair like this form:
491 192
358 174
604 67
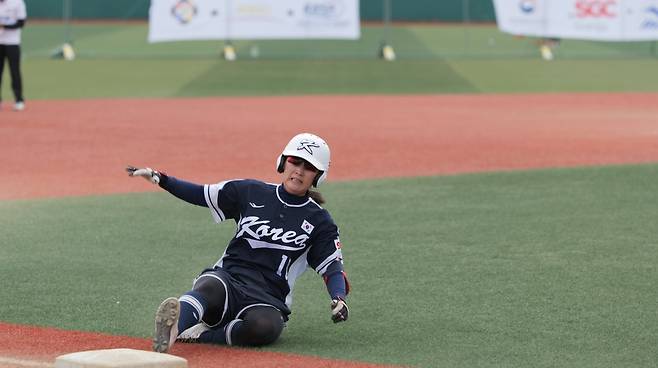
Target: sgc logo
595 8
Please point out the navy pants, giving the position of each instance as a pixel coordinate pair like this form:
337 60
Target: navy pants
12 53
238 314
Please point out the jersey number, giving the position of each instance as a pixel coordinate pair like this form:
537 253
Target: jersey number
282 266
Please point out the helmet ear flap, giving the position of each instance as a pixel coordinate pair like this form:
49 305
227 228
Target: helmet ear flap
319 178
280 163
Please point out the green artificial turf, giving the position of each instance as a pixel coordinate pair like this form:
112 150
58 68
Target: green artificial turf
411 41
115 61
46 79
547 268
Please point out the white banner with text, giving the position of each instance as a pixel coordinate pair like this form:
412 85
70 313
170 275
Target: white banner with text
178 20
602 20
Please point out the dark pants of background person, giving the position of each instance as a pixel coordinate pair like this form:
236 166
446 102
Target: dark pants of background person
13 54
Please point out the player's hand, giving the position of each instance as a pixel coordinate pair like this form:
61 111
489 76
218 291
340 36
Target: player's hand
146 173
339 310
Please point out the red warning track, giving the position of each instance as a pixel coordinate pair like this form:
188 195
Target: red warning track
64 148
70 148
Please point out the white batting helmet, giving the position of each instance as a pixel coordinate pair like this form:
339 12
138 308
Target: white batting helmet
311 148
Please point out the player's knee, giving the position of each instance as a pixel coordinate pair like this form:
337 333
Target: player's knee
261 326
213 290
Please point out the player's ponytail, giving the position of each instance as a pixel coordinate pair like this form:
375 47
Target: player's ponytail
316 196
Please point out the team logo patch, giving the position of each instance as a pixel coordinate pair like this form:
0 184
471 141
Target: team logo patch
307 145
337 243
307 227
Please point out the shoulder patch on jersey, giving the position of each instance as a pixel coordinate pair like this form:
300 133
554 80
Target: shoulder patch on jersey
307 227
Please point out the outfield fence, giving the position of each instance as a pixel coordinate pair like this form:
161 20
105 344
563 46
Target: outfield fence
370 10
415 29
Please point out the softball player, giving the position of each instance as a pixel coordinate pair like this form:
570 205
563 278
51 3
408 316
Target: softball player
245 297
12 19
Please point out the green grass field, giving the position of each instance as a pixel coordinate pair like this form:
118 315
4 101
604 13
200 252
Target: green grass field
540 268
546 268
116 61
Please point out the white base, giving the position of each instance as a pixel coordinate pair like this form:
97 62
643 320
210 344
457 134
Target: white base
119 358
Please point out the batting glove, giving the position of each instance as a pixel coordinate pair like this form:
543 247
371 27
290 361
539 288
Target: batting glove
339 310
146 173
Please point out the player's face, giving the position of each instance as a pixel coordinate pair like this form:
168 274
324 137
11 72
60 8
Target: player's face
298 175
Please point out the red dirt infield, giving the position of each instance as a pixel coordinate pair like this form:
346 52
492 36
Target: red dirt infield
73 148
65 148
27 346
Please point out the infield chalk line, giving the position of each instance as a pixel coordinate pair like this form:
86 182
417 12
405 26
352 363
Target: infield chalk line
25 363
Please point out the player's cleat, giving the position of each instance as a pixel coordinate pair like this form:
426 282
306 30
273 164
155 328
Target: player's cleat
19 106
193 333
166 325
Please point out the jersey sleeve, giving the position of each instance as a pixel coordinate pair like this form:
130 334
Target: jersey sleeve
189 192
326 249
21 12
223 199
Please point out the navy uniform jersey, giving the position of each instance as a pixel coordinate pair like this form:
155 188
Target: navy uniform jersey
278 236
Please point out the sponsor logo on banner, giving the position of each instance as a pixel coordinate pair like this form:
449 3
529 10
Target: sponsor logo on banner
254 10
184 11
327 9
596 8
651 22
528 6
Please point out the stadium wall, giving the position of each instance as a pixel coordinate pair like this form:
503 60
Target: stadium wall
371 10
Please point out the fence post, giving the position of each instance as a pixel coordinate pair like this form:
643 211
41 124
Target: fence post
228 53
466 20
386 51
66 50
67 10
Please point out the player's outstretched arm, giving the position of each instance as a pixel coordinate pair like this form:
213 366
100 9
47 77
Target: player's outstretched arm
147 173
189 192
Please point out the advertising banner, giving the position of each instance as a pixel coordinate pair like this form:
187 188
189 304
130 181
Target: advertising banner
177 20
603 20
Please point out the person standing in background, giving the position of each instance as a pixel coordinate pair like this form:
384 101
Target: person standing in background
12 18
